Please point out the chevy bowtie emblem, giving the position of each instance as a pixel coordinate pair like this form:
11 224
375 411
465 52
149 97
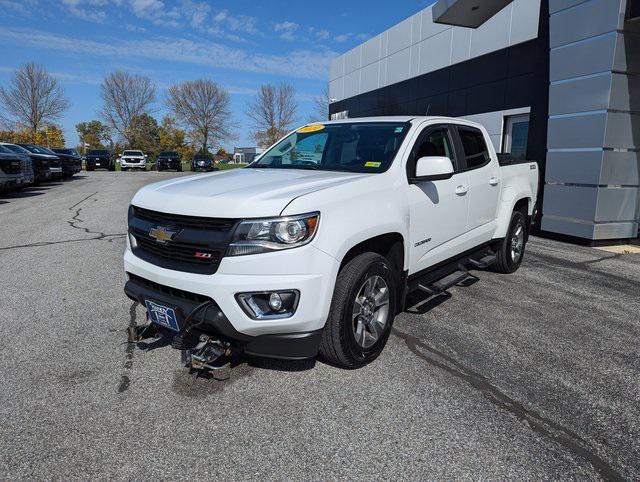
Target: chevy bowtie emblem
162 235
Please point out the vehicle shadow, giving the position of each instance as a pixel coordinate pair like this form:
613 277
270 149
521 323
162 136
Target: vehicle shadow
6 198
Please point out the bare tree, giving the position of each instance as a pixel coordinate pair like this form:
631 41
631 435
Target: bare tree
126 97
204 108
321 106
34 98
273 112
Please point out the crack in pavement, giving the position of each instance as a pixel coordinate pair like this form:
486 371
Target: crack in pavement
99 235
539 424
125 380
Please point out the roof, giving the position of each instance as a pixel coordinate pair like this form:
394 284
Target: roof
408 118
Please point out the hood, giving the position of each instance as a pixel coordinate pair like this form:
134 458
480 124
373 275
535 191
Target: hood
237 193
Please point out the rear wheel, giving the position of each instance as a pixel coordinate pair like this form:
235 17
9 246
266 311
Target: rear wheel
510 250
362 311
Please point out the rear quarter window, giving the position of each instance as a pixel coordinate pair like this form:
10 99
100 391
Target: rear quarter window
475 148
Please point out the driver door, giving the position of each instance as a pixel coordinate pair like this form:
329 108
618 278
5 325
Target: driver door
438 209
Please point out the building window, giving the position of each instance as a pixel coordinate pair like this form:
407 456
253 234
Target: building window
516 136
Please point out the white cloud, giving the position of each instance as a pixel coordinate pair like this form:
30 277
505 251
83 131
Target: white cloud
310 64
286 30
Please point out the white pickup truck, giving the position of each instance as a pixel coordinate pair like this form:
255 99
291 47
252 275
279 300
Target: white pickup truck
314 246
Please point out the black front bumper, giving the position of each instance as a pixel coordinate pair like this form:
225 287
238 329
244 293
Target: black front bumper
288 346
170 164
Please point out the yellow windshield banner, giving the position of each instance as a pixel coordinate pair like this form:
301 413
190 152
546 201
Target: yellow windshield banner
311 128
372 164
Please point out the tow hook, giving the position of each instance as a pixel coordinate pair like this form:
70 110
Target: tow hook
206 356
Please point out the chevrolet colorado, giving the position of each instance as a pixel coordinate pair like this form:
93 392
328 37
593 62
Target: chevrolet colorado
314 246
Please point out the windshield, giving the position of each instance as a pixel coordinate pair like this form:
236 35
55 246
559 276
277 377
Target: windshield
15 148
168 154
132 153
36 149
97 153
366 147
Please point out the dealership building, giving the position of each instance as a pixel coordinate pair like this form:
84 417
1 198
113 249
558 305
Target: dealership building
555 81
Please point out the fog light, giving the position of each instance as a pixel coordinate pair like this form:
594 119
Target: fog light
269 305
275 302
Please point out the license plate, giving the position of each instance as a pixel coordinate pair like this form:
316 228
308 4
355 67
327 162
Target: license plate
162 315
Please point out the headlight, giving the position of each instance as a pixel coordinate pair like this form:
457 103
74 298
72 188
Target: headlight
264 235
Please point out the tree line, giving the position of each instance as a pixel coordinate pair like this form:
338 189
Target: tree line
199 114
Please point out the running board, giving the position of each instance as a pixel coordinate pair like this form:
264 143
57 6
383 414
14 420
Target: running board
445 283
483 262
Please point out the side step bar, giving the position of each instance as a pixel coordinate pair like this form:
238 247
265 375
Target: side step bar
445 283
483 262
444 277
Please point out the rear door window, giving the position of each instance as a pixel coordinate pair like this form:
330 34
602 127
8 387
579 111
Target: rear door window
475 148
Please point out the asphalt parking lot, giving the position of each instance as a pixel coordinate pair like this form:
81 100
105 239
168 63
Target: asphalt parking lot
535 375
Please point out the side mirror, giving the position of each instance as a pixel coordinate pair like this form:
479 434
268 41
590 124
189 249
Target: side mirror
433 169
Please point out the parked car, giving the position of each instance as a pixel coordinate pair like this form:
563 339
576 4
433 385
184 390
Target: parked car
11 174
26 164
55 163
99 159
40 163
202 162
133 160
71 161
314 246
169 160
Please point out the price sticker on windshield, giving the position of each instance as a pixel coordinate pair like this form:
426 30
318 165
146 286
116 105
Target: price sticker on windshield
372 164
311 128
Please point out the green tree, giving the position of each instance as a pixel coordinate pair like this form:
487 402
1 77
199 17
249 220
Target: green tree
173 138
94 133
145 134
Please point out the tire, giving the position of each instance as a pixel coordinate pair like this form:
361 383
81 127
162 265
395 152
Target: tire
179 169
112 168
510 250
352 340
90 168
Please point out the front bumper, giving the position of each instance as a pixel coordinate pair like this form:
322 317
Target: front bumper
306 269
133 164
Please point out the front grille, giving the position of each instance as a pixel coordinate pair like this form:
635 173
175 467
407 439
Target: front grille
11 167
185 222
197 244
184 253
167 290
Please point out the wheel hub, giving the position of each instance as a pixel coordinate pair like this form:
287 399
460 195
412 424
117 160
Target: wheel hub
370 311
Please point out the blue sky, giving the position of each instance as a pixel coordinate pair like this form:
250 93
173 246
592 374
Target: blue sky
240 44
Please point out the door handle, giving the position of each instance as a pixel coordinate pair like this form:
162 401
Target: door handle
462 190
494 181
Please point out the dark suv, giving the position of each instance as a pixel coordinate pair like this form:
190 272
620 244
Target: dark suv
100 158
40 163
202 162
71 161
55 163
169 160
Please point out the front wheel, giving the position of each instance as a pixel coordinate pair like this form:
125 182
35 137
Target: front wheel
510 250
362 311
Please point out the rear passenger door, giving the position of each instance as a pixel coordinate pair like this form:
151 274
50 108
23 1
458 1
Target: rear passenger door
483 181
